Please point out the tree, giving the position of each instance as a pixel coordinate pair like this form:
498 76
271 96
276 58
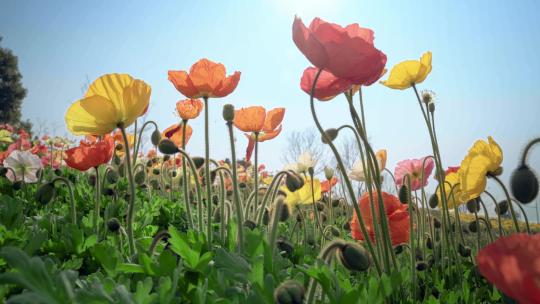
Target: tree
12 92
308 140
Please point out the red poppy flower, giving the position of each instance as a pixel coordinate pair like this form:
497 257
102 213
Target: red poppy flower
174 133
90 155
451 170
328 184
205 79
327 86
348 52
396 213
189 108
512 264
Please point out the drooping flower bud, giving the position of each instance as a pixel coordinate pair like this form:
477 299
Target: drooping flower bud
119 147
328 173
228 112
293 182
92 180
347 226
3 171
45 193
502 207
285 212
421 266
464 251
113 225
473 226
354 257
436 223
320 206
166 146
473 205
250 224
285 247
109 192
524 184
289 292
111 176
404 194
117 160
335 231
57 172
198 161
331 134
433 201
156 171
156 137
166 158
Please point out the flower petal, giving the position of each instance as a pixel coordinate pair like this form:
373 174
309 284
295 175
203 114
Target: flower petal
94 115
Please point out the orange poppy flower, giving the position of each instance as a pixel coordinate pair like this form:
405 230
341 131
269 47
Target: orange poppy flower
205 79
327 185
90 155
174 133
189 108
397 218
151 154
257 120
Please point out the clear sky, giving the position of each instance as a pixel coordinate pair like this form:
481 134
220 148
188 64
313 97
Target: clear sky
485 64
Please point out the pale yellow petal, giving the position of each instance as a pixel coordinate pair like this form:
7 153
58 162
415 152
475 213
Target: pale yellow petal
111 86
136 99
94 115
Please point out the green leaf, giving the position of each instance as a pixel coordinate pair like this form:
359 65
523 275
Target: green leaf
130 268
143 293
108 257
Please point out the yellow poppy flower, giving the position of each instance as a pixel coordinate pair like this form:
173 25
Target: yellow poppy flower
404 74
5 136
452 189
111 100
483 158
304 194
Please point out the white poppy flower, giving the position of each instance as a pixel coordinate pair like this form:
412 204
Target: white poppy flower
24 164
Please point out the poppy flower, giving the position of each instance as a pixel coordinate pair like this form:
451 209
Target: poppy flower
404 74
90 155
413 167
346 52
111 100
482 159
119 139
304 195
357 172
189 108
5 136
151 153
452 188
396 213
305 161
174 133
450 170
256 120
327 86
205 79
511 264
327 185
24 164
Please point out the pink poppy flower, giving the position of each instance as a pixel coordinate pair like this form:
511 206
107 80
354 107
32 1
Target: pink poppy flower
413 167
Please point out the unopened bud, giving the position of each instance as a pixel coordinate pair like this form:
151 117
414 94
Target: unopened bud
524 184
404 194
156 137
289 292
228 112
45 193
293 182
140 177
331 134
328 173
166 146
354 257
113 225
111 176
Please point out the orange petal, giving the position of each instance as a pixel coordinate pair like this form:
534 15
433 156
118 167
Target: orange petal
189 108
274 118
250 119
174 133
207 76
183 84
269 135
227 85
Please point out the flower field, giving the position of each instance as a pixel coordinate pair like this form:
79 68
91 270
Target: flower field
122 211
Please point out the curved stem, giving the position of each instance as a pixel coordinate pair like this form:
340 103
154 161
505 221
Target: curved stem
207 173
345 177
499 220
140 137
527 148
131 203
71 197
512 212
184 177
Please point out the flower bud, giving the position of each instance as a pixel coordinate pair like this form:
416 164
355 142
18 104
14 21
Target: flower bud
320 206
331 134
266 216
109 192
436 223
524 184
156 171
433 201
473 226
421 266
198 161
502 207
250 224
289 292
117 160
311 171
154 184
335 232
399 249
57 172
228 112
45 193
285 212
149 163
140 177
347 226
92 180
285 246
293 182
464 251
429 243
166 157
328 173
156 137
111 176
119 147
335 202
215 199
3 171
217 216
323 217
122 169
166 146
354 257
473 205
431 107
404 194
113 225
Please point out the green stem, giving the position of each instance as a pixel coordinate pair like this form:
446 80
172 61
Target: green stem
512 212
97 202
236 195
207 173
71 197
131 203
185 177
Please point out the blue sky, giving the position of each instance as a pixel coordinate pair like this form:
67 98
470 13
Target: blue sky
485 64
